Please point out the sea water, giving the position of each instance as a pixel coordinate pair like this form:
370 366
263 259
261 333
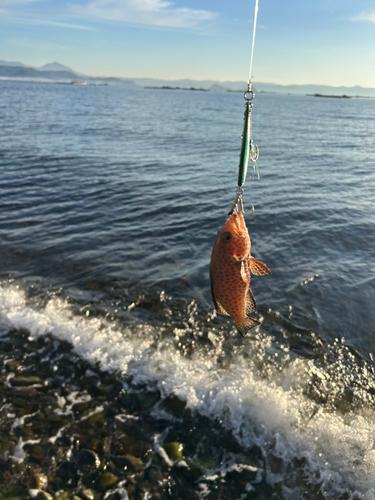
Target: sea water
111 199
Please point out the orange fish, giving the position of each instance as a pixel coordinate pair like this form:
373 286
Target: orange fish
231 263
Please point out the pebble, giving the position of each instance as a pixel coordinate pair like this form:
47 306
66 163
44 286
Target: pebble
38 482
174 450
106 480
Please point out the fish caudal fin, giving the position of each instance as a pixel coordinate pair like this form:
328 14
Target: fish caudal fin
247 324
258 268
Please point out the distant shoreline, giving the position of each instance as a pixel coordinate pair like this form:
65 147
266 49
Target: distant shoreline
167 87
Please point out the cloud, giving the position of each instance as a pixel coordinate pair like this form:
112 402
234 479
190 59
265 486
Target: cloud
365 16
147 12
45 22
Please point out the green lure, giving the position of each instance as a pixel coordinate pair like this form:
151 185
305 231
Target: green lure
249 151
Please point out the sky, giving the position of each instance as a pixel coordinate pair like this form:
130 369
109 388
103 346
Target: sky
330 42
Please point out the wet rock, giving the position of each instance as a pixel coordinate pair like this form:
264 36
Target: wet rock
193 471
87 458
154 475
15 492
25 381
87 494
123 445
37 452
43 495
174 450
106 480
38 482
129 462
175 405
25 392
97 418
19 402
63 496
80 407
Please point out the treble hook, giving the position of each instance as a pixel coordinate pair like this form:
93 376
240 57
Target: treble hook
238 204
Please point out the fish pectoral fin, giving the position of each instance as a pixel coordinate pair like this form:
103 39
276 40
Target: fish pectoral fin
245 325
251 305
258 268
245 272
218 307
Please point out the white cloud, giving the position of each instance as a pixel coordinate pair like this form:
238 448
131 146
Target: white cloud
148 12
365 16
45 22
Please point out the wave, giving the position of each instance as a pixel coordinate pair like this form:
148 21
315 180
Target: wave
264 404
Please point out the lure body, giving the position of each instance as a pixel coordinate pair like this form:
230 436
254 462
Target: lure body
245 146
230 267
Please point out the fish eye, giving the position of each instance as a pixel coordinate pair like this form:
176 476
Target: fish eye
226 237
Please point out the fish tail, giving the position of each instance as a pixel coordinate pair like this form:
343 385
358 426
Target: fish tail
246 324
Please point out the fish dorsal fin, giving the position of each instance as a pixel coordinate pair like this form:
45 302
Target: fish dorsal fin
251 305
219 308
245 271
258 268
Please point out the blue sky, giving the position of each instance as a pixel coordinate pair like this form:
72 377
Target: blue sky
328 42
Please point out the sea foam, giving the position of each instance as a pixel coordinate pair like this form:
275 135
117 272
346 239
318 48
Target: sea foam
337 449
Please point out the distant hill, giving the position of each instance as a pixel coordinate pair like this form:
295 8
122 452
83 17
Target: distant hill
11 63
55 66
59 73
55 72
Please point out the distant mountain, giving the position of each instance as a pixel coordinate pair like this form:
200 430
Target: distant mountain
56 72
55 66
25 72
11 63
59 73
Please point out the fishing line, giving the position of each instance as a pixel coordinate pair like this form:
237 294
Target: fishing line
252 46
249 151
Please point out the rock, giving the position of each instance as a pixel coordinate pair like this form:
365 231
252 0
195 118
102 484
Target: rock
129 462
43 495
19 402
87 458
25 392
175 450
80 407
106 480
24 381
124 445
38 482
87 494
15 492
194 470
37 452
97 418
63 496
154 475
176 405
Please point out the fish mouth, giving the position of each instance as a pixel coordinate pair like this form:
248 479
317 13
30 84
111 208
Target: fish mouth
237 224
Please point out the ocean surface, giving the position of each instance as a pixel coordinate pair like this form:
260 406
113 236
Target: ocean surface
110 202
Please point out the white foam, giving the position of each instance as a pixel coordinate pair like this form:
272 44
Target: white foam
275 415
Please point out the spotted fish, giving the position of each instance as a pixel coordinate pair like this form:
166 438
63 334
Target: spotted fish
231 264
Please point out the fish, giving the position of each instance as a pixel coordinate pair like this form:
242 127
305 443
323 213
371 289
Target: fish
230 268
